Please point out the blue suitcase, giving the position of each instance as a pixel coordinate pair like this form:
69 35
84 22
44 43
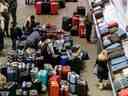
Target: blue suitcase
42 76
120 66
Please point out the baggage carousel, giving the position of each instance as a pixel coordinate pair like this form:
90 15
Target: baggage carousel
116 66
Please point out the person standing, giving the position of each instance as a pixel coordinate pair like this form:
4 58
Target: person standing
102 69
88 24
13 9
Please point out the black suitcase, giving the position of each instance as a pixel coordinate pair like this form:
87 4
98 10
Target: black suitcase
81 10
82 88
45 7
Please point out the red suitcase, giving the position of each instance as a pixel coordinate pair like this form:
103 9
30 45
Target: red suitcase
38 8
81 30
123 92
75 20
53 88
65 71
55 78
54 8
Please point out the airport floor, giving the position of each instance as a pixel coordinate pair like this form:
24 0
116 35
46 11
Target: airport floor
24 11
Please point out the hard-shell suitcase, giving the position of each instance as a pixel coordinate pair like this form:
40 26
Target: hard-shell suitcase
72 78
64 59
12 74
54 8
82 30
38 7
46 8
53 88
81 10
64 90
66 69
82 88
123 92
75 20
43 77
55 78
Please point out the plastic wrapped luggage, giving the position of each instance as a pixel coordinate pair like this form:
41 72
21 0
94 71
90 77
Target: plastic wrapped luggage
82 88
53 89
116 54
114 38
81 10
72 78
33 73
54 8
38 7
46 8
66 69
43 77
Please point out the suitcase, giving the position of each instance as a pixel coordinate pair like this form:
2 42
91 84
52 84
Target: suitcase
113 46
81 10
64 59
112 24
64 90
12 74
42 76
82 30
82 88
98 14
122 34
75 20
53 88
33 73
66 69
38 7
123 92
61 3
106 42
54 8
66 23
116 54
58 69
114 38
72 79
46 8
55 78
120 66
113 30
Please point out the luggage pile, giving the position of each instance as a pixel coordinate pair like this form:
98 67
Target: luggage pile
76 23
52 64
114 40
48 6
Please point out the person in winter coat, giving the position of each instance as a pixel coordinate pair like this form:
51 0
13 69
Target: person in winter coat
30 23
88 24
5 13
12 9
16 34
102 69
